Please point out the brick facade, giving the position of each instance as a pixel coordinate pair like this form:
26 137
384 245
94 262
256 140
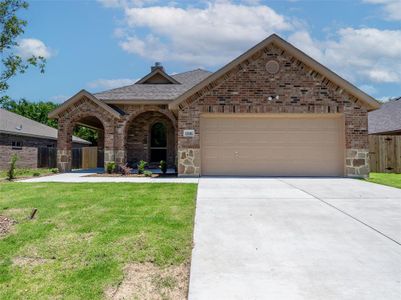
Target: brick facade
126 139
246 89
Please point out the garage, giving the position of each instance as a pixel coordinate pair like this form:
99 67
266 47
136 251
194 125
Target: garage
272 144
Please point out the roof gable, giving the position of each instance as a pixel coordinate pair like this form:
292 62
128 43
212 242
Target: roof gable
83 93
157 76
298 54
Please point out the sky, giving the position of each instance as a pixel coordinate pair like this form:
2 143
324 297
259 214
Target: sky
99 45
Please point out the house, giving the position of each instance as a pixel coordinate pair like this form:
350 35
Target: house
387 119
23 137
272 111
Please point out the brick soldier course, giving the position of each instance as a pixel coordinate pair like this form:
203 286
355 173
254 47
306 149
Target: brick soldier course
246 85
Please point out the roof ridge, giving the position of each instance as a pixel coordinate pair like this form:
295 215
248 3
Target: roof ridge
197 69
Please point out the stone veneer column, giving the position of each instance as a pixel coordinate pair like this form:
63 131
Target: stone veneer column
64 146
189 162
357 163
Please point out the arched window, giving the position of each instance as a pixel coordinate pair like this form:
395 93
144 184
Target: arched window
158 142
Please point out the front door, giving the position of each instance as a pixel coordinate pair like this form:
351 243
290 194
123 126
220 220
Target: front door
158 142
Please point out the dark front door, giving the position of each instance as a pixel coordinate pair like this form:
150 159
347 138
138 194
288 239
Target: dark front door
158 142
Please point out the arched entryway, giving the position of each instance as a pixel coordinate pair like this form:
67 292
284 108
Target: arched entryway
150 136
89 127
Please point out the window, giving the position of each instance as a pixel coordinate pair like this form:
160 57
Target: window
16 145
158 142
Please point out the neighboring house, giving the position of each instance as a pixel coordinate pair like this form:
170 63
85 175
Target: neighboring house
387 119
23 136
273 111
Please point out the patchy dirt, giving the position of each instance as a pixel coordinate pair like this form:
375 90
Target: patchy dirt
6 224
29 261
149 282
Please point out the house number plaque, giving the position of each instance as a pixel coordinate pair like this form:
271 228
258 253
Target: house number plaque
189 133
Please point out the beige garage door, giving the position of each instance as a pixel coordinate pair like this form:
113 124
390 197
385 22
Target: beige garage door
272 145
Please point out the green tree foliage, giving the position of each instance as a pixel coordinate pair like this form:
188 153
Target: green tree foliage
38 111
11 27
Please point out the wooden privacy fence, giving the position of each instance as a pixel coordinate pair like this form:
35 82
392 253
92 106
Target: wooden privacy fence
385 153
82 158
47 157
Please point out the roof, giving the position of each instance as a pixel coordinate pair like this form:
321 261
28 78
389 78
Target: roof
78 96
387 119
370 102
12 123
155 92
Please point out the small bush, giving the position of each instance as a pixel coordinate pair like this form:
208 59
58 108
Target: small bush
11 169
36 174
147 173
125 170
110 167
141 166
163 166
54 170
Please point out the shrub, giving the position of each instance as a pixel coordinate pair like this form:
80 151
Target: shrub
110 167
36 174
147 173
141 166
125 170
163 166
11 169
54 170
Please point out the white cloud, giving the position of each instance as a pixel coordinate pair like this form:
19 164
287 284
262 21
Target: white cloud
366 54
369 89
392 8
28 47
209 35
107 84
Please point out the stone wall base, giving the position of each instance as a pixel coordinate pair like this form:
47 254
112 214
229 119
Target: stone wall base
189 162
357 163
64 160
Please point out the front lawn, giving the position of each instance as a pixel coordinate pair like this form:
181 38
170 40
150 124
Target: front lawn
389 179
88 239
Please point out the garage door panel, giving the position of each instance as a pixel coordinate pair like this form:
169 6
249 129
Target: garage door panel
272 146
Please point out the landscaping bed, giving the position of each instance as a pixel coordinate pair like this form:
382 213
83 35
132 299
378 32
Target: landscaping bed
96 240
153 175
28 173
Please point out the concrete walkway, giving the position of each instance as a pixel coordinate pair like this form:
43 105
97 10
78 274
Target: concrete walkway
296 238
82 176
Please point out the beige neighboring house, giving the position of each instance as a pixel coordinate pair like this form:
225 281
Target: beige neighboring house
272 111
23 137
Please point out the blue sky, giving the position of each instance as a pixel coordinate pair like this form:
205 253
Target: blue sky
103 44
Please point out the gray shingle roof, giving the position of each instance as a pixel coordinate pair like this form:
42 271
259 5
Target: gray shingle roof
387 118
12 123
156 91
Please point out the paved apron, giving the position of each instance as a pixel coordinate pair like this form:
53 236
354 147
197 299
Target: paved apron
296 238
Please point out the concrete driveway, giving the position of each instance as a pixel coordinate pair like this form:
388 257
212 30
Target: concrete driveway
296 238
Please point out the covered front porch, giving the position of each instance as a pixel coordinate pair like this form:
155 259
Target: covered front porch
126 134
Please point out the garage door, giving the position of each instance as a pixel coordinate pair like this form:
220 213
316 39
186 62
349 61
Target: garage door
272 145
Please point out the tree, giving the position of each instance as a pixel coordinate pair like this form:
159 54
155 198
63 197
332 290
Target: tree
38 111
11 27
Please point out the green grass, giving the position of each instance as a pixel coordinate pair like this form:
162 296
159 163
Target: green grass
87 232
22 173
389 179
